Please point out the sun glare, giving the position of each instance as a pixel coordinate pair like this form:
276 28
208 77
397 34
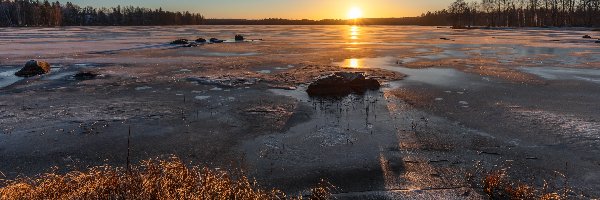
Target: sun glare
353 63
354 13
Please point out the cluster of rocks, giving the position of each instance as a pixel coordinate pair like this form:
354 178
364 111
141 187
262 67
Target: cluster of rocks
34 68
188 43
590 37
341 84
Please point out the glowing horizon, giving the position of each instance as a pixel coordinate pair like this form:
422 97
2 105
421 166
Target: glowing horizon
288 9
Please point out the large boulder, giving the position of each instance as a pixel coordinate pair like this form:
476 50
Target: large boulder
33 68
341 84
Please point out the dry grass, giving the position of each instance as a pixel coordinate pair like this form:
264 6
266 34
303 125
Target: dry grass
498 185
152 179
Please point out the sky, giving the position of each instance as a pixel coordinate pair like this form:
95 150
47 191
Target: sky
289 9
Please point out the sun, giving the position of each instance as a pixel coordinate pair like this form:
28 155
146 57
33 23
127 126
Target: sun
354 13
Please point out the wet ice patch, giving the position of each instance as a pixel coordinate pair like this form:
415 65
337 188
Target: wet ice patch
284 68
216 89
443 77
8 77
561 73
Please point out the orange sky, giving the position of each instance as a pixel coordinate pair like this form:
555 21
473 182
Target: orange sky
290 9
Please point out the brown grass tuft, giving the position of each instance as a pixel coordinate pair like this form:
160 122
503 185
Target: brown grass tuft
152 179
498 185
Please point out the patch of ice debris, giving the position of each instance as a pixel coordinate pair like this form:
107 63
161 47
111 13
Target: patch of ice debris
143 88
224 82
566 125
201 97
331 136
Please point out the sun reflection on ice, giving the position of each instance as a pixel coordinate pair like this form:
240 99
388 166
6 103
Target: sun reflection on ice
354 32
353 63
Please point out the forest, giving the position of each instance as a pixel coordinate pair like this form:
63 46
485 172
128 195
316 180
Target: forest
519 13
38 13
460 14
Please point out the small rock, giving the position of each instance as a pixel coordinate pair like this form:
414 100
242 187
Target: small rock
444 38
587 37
201 40
239 38
85 75
33 68
181 41
215 40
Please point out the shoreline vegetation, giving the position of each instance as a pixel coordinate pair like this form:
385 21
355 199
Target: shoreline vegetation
168 178
460 14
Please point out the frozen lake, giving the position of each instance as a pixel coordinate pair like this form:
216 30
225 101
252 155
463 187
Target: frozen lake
524 100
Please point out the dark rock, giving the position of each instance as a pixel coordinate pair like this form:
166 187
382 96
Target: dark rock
201 40
587 37
33 68
598 41
341 84
85 75
444 38
239 38
181 41
215 40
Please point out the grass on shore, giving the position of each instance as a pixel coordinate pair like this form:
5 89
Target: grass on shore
498 185
152 179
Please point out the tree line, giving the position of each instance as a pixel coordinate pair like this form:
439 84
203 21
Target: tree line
460 14
45 13
520 13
